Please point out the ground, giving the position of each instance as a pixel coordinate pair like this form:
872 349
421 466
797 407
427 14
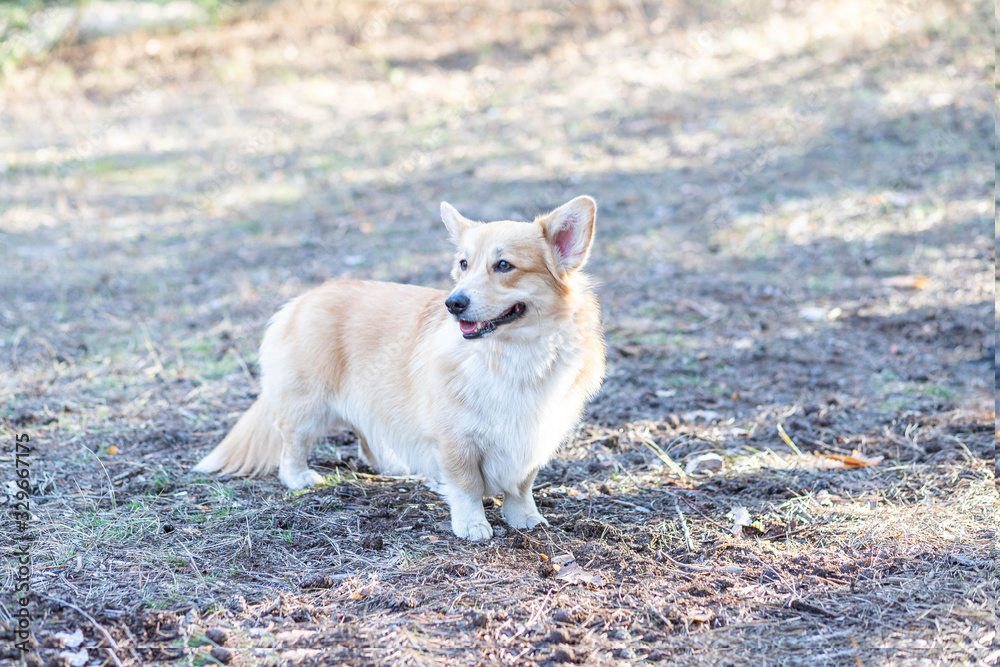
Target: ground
795 252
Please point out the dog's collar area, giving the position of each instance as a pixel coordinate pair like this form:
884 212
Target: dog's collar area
472 330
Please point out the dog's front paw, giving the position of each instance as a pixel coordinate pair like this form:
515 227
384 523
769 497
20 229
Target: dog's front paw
526 521
475 531
300 479
521 513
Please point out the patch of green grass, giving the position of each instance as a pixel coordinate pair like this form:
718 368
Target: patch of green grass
158 482
174 561
126 523
937 392
170 601
222 494
898 394
681 380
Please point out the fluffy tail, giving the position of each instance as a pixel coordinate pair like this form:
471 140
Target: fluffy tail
252 448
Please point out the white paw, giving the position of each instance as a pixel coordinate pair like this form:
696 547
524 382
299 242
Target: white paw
521 513
300 479
525 521
476 531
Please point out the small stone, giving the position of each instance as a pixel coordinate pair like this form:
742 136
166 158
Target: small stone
708 416
704 463
221 654
558 636
565 616
317 581
237 604
372 541
478 620
217 636
564 655
813 313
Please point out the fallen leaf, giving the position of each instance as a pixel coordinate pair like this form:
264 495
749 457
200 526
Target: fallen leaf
906 282
77 659
112 450
701 415
704 463
699 615
70 639
855 460
570 572
741 517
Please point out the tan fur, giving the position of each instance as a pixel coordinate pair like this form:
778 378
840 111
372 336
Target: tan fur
478 415
252 446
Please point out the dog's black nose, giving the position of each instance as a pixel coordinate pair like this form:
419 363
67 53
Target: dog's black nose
457 303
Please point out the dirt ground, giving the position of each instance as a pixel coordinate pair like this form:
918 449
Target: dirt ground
796 255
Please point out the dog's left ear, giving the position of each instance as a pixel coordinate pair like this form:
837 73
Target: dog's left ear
454 221
570 230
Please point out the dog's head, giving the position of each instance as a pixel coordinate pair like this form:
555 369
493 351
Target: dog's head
506 270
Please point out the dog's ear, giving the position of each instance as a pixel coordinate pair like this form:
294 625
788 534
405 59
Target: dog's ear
570 230
454 221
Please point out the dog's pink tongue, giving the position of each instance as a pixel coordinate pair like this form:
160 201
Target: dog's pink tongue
467 327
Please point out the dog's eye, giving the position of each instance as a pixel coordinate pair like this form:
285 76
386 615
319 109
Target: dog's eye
463 265
503 266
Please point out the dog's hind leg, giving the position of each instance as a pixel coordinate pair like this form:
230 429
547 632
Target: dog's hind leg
519 510
293 469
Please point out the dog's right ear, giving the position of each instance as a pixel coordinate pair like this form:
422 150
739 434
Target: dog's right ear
454 221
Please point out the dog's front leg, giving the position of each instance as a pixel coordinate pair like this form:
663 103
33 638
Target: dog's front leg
463 488
519 509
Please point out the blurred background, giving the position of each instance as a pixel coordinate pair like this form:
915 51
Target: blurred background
769 174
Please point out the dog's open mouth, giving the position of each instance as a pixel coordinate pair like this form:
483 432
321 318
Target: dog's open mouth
479 329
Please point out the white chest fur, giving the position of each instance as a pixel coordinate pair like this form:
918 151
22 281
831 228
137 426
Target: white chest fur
518 403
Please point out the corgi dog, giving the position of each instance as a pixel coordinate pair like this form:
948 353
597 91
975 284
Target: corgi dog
474 389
